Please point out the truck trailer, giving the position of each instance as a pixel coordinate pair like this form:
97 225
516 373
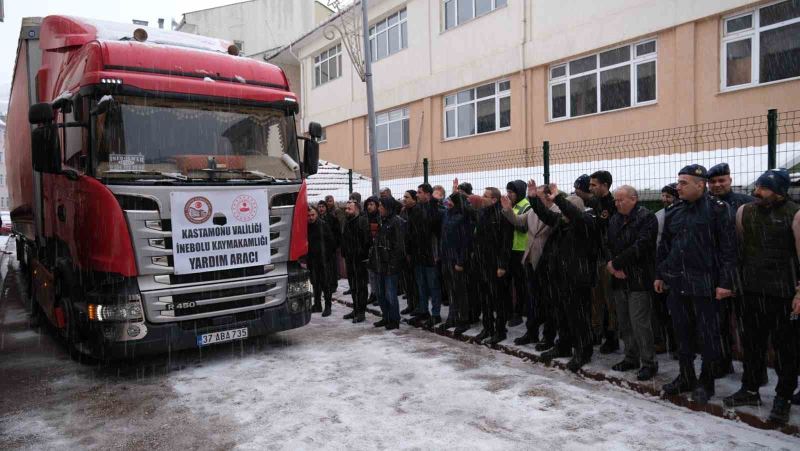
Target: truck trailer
156 187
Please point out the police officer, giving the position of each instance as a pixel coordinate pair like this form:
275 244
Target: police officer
697 260
719 185
769 230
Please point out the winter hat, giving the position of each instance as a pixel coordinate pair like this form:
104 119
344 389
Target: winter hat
355 196
671 189
519 187
582 183
696 170
719 169
775 180
466 187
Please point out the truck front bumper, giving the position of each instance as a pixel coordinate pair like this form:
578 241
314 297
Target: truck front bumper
177 336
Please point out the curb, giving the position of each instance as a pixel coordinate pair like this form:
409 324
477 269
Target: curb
641 388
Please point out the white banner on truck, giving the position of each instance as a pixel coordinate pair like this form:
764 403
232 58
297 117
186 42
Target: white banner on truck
219 230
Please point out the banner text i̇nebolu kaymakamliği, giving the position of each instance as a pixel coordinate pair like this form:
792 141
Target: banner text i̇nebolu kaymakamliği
219 230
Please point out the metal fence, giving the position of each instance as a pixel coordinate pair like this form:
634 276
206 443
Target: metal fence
646 160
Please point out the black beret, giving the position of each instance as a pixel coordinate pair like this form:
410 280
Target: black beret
695 170
720 169
582 183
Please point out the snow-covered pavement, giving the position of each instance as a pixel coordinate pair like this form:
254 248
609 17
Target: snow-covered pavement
334 385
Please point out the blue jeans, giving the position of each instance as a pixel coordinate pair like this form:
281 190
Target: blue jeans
387 295
428 285
375 287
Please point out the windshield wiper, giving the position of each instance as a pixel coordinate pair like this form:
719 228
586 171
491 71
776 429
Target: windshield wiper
170 175
245 172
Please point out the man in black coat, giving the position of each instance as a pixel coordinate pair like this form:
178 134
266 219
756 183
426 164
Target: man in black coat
388 256
632 236
424 228
321 249
355 250
697 261
492 252
570 259
604 317
719 185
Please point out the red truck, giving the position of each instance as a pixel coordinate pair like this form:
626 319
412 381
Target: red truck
157 191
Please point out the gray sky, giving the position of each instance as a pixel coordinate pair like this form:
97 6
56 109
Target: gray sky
114 10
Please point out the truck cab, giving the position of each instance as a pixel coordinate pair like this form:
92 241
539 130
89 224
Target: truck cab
159 198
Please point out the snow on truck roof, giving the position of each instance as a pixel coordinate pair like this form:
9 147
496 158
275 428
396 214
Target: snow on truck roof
68 30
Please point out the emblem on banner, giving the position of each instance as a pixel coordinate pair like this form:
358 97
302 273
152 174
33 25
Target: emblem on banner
244 208
197 210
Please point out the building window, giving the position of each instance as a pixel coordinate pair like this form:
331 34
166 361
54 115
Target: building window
456 12
328 65
761 46
2 180
388 36
606 81
483 109
1 156
391 129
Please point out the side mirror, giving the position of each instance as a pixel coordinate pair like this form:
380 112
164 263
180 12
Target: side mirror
310 156
41 113
315 130
45 149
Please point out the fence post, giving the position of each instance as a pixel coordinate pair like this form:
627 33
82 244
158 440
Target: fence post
546 161
772 138
425 168
350 180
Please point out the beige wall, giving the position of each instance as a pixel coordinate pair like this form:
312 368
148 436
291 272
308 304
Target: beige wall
688 89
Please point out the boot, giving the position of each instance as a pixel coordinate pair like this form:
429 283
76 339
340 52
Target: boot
743 397
625 365
459 330
433 321
317 307
327 311
555 353
391 325
611 344
407 311
482 335
497 338
781 408
577 361
359 318
419 321
544 345
529 337
647 372
685 382
350 315
380 323
705 387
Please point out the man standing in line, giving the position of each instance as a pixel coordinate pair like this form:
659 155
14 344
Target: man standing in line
516 194
355 250
493 236
388 254
719 184
571 263
697 260
424 230
604 318
456 245
631 245
769 230
539 307
662 324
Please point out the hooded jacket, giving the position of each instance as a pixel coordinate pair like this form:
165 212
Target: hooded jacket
388 251
520 241
458 227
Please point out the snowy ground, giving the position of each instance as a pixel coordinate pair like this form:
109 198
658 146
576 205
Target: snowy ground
331 385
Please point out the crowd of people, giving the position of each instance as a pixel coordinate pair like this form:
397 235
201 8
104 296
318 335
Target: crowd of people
592 268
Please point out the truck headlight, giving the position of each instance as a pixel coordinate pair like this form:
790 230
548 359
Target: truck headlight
129 310
299 288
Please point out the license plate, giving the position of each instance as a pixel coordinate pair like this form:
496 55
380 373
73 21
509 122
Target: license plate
221 336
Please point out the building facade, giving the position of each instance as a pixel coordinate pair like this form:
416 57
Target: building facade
456 78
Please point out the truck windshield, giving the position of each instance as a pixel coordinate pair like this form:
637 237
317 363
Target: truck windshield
140 138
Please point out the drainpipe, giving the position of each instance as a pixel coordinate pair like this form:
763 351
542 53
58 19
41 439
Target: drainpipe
523 76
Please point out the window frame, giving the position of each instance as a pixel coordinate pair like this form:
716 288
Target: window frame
457 24
405 115
498 96
373 33
633 62
754 34
318 62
